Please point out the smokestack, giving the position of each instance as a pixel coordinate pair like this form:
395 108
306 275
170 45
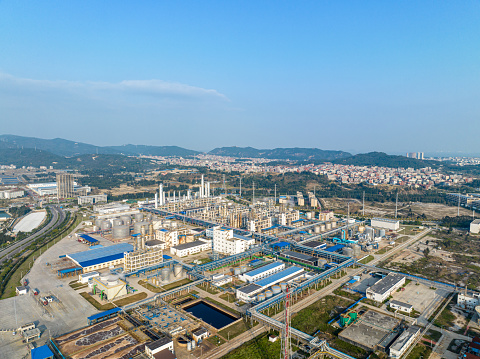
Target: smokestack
202 189
156 200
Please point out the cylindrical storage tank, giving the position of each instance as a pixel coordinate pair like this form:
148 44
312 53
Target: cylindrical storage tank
164 274
236 271
243 268
189 346
328 226
334 224
95 228
127 220
361 229
276 289
177 270
117 222
120 232
261 297
283 286
138 217
382 233
309 215
193 344
347 251
137 227
357 250
322 228
268 293
98 222
369 248
106 225
149 216
317 229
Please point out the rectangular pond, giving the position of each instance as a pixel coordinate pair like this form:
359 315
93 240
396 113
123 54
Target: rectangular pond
211 315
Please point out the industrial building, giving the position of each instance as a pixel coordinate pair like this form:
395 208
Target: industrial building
142 258
65 185
109 288
468 300
247 292
190 248
160 349
262 272
92 199
50 189
386 223
403 342
381 290
10 193
315 245
112 208
475 226
303 258
98 258
225 242
221 279
402 307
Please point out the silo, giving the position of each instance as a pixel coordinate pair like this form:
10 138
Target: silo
276 289
268 294
334 224
322 228
127 220
189 346
138 217
243 268
236 271
317 229
283 285
382 233
117 222
309 215
137 227
106 225
120 232
347 251
98 222
328 226
357 250
261 297
193 344
165 273
177 270
149 216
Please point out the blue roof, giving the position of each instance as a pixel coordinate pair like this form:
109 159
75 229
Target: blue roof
166 257
101 255
41 352
281 244
96 247
334 248
104 314
88 238
275 278
264 268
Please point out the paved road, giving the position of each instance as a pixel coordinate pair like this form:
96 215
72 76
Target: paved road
58 215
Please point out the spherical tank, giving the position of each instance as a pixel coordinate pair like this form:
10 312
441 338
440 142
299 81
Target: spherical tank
347 251
138 217
117 222
106 225
127 220
165 274
177 270
120 232
276 289
261 297
268 293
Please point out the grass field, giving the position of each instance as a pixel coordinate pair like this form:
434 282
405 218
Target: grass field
343 293
176 284
150 287
216 340
228 297
95 303
420 351
257 348
119 303
235 329
367 259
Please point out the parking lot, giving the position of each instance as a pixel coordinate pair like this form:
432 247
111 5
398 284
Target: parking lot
420 296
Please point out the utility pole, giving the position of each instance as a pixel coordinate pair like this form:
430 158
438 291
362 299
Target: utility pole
275 193
396 206
253 196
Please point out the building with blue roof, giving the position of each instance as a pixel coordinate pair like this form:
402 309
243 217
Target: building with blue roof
88 239
43 352
262 272
98 258
247 293
335 248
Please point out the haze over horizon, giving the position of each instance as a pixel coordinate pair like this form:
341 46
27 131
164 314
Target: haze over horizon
357 77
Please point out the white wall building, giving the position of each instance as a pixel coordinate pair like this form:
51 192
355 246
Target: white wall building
158 346
262 272
221 279
386 223
92 199
475 226
381 290
225 242
468 300
403 342
187 249
11 193
402 307
86 277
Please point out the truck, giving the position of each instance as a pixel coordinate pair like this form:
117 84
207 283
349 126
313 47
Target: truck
35 292
25 282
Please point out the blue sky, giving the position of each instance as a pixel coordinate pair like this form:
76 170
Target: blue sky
349 75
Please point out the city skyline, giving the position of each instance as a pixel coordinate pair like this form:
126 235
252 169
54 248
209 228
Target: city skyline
340 76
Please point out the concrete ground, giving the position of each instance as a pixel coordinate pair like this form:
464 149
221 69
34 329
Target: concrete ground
420 296
30 222
367 281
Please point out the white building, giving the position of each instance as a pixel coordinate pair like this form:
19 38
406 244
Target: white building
262 272
86 277
21 290
92 199
221 279
11 193
200 334
111 208
391 224
475 226
225 242
403 342
468 300
187 249
381 290
158 346
402 307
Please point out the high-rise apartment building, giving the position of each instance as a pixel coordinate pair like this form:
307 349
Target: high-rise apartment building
65 185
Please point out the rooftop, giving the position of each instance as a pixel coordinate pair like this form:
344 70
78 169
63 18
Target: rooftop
42 352
386 283
279 276
250 288
264 268
314 244
397 302
100 255
158 343
385 220
190 245
403 339
334 248
301 256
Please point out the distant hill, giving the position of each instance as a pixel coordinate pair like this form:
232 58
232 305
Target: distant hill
298 154
136 150
383 160
30 157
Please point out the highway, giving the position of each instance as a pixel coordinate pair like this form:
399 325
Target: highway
58 215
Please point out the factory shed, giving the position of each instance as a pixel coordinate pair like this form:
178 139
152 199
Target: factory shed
101 257
300 257
279 276
88 239
281 245
99 317
385 286
247 292
335 248
42 352
404 341
315 245
262 272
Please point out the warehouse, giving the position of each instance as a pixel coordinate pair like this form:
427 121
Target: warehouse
246 293
404 341
97 258
302 258
391 224
402 307
381 290
315 245
262 272
190 248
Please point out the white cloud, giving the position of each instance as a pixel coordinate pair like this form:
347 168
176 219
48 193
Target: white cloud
156 88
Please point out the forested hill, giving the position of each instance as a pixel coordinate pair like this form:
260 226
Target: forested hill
383 160
299 154
135 150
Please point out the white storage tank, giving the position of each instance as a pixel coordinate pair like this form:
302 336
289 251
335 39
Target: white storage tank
283 286
328 226
268 293
322 228
317 229
138 217
127 220
261 297
117 222
165 274
178 268
276 289
357 250
137 227
243 268
236 271
334 224
120 232
106 225
347 251
309 215
382 233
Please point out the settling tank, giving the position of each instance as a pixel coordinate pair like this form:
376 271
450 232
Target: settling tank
268 293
